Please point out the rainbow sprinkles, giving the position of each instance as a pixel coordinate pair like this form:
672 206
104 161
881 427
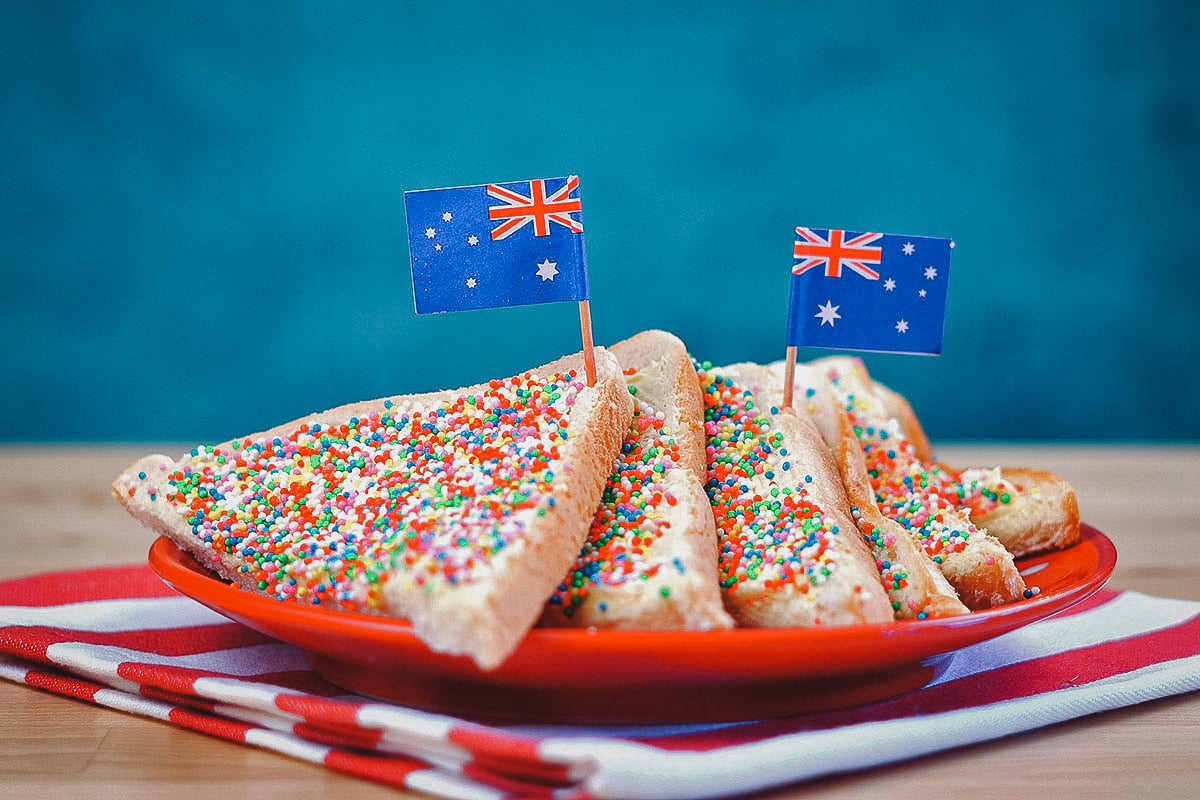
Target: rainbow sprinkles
769 529
324 513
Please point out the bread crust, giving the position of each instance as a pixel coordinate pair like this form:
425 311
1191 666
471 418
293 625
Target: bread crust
485 609
672 543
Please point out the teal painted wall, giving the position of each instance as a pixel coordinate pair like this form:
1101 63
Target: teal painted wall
201 207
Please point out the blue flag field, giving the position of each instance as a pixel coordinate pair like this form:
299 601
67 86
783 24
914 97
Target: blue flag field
868 291
496 245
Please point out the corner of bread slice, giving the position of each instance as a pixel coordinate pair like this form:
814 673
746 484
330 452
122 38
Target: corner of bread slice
486 617
1028 510
897 406
660 373
145 490
141 489
650 558
983 571
139 485
851 370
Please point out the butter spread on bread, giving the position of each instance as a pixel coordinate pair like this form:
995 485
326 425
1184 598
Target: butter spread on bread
459 511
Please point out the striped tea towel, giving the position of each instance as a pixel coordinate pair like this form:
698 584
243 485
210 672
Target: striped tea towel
119 637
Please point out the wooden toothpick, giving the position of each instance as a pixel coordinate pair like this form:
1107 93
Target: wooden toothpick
589 353
789 375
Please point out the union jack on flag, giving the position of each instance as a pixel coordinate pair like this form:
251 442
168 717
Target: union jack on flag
542 210
833 251
868 291
496 244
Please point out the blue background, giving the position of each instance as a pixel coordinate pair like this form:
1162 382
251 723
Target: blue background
201 207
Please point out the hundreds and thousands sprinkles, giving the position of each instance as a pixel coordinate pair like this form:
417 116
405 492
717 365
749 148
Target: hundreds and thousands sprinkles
908 491
893 574
769 530
629 520
433 494
326 513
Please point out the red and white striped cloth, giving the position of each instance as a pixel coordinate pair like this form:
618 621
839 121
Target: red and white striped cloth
118 637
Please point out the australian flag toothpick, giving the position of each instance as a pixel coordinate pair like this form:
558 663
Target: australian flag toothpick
868 291
496 244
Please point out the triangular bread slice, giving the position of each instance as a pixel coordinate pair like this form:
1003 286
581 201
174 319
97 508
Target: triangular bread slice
915 585
790 554
458 510
922 496
650 561
1028 510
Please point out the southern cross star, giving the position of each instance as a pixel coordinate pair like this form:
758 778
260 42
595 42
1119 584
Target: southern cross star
828 313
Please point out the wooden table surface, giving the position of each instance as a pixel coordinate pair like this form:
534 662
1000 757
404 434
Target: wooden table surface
56 513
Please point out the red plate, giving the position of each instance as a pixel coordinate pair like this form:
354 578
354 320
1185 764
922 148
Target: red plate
576 675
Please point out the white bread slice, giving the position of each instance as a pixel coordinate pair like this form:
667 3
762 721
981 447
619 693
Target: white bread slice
914 584
457 510
650 561
790 554
920 495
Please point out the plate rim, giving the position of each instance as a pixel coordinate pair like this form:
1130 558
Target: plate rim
169 561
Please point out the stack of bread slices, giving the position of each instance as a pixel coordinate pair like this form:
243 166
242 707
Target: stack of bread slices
665 494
